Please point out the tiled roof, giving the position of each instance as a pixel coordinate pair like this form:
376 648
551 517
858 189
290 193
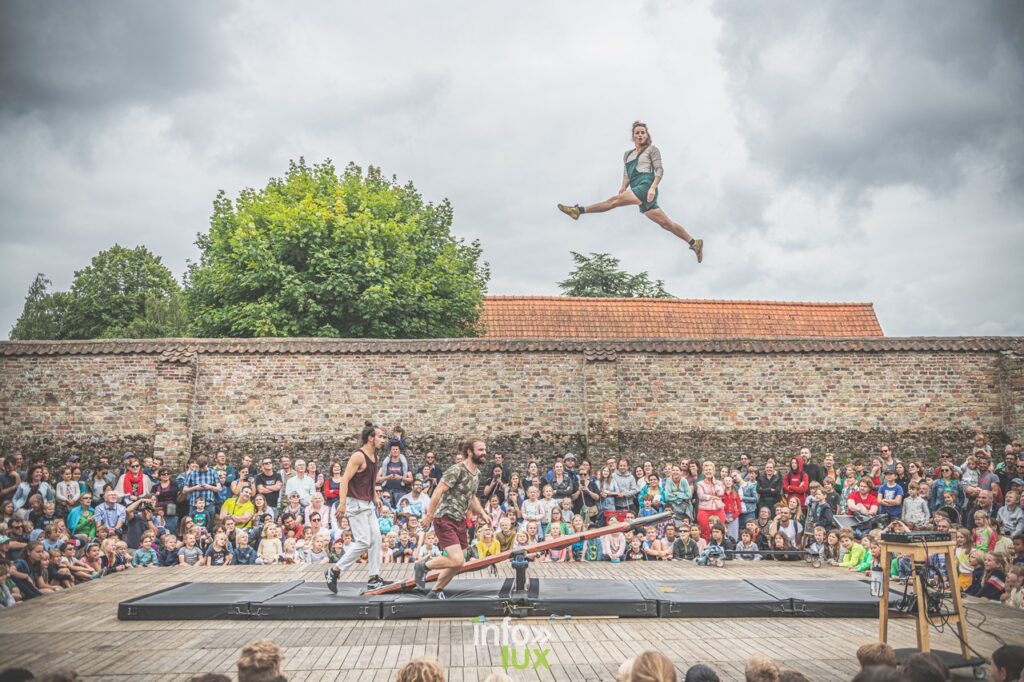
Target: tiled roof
183 349
562 317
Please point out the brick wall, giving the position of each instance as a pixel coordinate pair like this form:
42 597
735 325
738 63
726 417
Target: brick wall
528 399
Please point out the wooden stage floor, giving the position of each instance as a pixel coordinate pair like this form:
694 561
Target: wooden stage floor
79 630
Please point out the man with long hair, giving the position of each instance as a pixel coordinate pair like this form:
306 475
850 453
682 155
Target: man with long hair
358 500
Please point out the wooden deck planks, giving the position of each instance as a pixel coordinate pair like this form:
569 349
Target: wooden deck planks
78 629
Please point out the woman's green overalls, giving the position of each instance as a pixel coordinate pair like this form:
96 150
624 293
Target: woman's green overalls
641 183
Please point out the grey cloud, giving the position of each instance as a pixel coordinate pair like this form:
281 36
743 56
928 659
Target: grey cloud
851 98
67 57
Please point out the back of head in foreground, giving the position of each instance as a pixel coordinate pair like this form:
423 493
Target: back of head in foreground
925 667
652 666
879 673
260 662
421 670
1008 663
761 669
701 673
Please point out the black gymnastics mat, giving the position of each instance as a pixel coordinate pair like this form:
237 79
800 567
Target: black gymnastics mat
299 600
764 598
824 598
201 601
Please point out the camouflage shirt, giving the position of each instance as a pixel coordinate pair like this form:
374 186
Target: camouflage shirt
462 487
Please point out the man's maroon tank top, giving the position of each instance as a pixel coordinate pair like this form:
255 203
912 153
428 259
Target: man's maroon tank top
363 483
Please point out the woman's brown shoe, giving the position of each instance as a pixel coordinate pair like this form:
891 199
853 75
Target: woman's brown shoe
698 248
571 211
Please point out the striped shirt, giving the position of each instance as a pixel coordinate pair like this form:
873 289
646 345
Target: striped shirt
650 159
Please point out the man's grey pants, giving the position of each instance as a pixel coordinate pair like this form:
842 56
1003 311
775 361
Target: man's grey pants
362 520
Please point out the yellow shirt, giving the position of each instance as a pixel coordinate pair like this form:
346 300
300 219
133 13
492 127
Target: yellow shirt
484 549
232 507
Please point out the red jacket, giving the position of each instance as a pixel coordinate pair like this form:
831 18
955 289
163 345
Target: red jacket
733 504
795 483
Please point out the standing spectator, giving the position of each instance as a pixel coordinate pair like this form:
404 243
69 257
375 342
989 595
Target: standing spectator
332 484
269 483
769 487
815 473
493 486
709 500
562 483
915 508
678 494
133 483
166 491
987 479
394 474
430 459
945 483
111 514
10 479
748 496
220 464
890 495
286 471
888 458
625 483
202 482
796 483
498 459
1007 470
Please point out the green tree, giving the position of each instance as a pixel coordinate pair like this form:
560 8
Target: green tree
315 254
122 293
43 313
599 276
108 297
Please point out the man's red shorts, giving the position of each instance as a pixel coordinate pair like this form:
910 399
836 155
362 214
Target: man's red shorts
450 532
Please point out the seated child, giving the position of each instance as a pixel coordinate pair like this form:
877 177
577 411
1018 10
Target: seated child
244 554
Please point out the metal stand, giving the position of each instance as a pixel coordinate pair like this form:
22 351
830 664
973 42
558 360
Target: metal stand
520 585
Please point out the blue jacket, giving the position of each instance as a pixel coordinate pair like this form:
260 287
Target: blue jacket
939 488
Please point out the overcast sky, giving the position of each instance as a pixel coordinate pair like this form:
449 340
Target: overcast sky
825 151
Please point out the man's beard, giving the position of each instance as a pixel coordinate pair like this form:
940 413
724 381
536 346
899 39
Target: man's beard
478 459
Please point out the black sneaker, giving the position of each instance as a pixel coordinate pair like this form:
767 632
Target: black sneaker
436 594
376 582
419 571
332 576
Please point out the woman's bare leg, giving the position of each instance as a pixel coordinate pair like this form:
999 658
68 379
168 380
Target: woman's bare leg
659 216
624 198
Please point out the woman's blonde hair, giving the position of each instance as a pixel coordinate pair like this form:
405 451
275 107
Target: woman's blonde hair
641 124
652 666
421 670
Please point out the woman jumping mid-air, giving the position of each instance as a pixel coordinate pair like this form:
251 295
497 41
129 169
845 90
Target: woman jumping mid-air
640 188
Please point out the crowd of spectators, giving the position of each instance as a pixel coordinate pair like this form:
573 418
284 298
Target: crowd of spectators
65 527
263 662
